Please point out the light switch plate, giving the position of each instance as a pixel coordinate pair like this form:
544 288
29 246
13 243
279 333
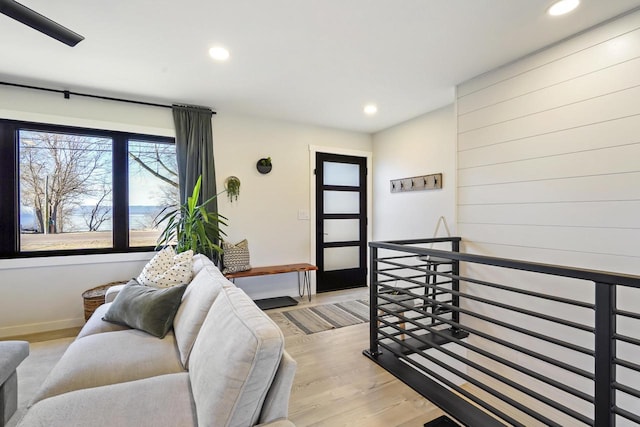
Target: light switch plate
303 214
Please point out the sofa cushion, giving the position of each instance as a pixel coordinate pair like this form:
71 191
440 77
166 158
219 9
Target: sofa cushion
196 302
111 358
12 353
95 324
234 361
199 262
149 309
167 269
163 401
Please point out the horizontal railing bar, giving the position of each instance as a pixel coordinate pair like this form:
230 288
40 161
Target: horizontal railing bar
402 256
513 327
426 240
528 352
517 290
556 270
514 403
418 285
463 410
626 389
453 386
418 266
627 314
452 276
398 265
626 414
465 279
510 364
627 339
627 364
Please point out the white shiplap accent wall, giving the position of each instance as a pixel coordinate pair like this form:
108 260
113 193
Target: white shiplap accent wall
549 171
549 153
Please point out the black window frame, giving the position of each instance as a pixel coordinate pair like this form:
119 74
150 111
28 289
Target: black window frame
10 185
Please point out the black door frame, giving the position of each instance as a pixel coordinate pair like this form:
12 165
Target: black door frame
346 278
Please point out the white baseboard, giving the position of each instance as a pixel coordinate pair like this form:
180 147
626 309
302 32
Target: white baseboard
34 328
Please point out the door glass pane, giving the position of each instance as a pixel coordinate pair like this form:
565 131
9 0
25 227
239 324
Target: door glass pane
345 202
153 188
341 174
341 258
65 191
341 230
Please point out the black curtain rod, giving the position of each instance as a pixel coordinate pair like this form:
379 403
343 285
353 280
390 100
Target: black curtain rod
67 94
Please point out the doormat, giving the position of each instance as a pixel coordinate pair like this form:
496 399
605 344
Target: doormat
277 302
442 421
311 320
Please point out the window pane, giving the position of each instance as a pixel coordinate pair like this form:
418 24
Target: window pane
341 230
153 187
341 202
341 174
341 258
65 191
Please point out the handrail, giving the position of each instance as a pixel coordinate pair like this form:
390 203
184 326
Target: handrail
552 269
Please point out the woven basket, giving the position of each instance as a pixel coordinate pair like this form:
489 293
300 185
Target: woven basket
94 298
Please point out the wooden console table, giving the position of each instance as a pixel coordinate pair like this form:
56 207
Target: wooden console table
304 285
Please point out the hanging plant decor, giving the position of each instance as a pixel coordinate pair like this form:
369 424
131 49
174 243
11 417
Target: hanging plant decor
232 185
264 165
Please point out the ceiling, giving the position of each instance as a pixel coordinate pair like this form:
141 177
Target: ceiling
310 61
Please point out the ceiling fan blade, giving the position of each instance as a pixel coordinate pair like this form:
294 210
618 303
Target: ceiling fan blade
39 22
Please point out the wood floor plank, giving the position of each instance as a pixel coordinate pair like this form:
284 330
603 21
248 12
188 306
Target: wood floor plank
336 385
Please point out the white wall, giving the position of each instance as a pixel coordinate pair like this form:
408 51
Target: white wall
45 294
266 213
549 153
420 146
548 171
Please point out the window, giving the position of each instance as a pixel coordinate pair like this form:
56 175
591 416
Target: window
153 188
78 191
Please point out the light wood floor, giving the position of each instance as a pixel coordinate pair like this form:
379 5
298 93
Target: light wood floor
335 385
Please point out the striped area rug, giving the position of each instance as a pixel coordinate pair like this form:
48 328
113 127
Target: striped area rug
328 316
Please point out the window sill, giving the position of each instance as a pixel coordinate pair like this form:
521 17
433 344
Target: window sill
56 261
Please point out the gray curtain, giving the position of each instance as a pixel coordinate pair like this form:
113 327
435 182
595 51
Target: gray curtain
194 148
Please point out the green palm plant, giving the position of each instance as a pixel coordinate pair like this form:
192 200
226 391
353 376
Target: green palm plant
191 226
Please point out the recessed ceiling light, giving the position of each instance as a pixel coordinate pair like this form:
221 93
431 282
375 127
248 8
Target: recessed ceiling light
370 109
219 53
563 6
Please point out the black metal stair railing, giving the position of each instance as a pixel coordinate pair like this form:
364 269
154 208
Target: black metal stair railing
552 346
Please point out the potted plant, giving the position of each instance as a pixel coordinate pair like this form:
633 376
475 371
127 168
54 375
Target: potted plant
191 226
232 186
264 165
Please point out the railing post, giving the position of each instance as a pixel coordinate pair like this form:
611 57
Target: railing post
605 324
455 285
373 302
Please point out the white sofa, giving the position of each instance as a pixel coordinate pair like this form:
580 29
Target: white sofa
224 364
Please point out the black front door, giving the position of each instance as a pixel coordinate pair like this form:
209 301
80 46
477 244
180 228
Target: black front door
341 228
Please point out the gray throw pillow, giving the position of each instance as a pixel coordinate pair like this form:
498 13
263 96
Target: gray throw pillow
145 308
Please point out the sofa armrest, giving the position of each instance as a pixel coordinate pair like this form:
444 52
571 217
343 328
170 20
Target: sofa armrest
276 403
111 293
282 422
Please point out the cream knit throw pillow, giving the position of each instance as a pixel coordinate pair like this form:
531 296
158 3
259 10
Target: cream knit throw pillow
167 269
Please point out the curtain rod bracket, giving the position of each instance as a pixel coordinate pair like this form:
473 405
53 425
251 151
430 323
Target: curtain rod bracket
67 94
